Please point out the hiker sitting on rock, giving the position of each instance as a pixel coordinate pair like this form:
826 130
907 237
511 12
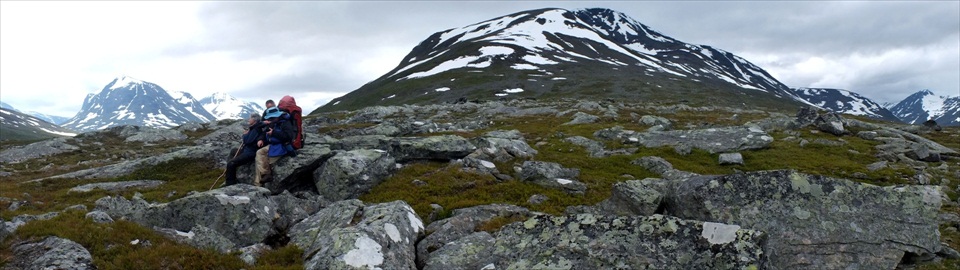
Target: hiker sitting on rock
248 150
279 132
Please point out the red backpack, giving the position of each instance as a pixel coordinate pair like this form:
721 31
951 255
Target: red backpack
289 105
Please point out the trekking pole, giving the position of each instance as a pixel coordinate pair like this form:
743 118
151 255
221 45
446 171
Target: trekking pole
225 170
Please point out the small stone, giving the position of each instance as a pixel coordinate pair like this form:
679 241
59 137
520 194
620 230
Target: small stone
876 166
947 252
418 182
537 199
78 207
860 175
99 217
683 149
435 212
731 159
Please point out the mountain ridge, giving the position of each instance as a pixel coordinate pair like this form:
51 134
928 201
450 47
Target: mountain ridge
924 105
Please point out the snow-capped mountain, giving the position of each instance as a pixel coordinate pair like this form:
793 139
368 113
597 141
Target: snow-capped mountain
225 106
564 53
57 120
843 101
128 101
15 125
4 105
925 105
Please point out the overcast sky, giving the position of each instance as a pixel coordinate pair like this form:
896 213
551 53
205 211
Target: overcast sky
52 54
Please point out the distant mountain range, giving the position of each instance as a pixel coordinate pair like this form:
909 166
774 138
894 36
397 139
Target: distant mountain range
925 105
558 53
129 101
843 101
15 125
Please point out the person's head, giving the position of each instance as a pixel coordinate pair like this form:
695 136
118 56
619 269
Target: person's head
273 112
254 118
270 104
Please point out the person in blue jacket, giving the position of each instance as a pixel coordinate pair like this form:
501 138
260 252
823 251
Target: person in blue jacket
248 151
279 132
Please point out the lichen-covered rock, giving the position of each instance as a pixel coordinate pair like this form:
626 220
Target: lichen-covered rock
250 254
447 147
816 222
36 150
361 142
806 116
463 222
594 148
127 167
662 167
292 209
348 235
731 159
634 197
117 186
120 208
652 120
552 175
347 175
589 241
50 253
582 118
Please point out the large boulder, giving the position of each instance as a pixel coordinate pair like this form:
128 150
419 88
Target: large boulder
36 150
349 235
634 197
347 175
442 148
816 222
50 253
464 222
660 166
589 241
242 213
831 123
552 175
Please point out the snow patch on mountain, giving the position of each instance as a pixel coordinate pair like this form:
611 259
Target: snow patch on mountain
224 106
925 105
843 101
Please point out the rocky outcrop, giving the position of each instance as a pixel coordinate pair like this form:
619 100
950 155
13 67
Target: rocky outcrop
582 118
461 223
589 241
36 150
50 253
552 175
151 135
127 167
349 235
815 222
662 167
347 175
292 174
831 123
118 186
502 146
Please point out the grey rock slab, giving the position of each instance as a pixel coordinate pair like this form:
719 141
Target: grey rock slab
117 186
461 223
443 148
831 123
652 120
127 167
582 118
50 253
714 140
662 167
634 197
731 159
151 135
813 221
501 149
292 174
36 150
588 241
347 175
594 148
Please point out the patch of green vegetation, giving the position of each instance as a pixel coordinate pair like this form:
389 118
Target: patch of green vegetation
496 223
111 248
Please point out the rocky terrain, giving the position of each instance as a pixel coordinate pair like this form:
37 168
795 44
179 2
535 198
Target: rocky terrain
521 184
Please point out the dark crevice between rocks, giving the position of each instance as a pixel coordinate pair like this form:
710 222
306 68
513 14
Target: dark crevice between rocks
301 179
278 240
911 259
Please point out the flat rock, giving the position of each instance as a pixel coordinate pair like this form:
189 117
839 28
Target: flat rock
117 186
552 175
438 148
589 241
582 118
731 159
151 135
